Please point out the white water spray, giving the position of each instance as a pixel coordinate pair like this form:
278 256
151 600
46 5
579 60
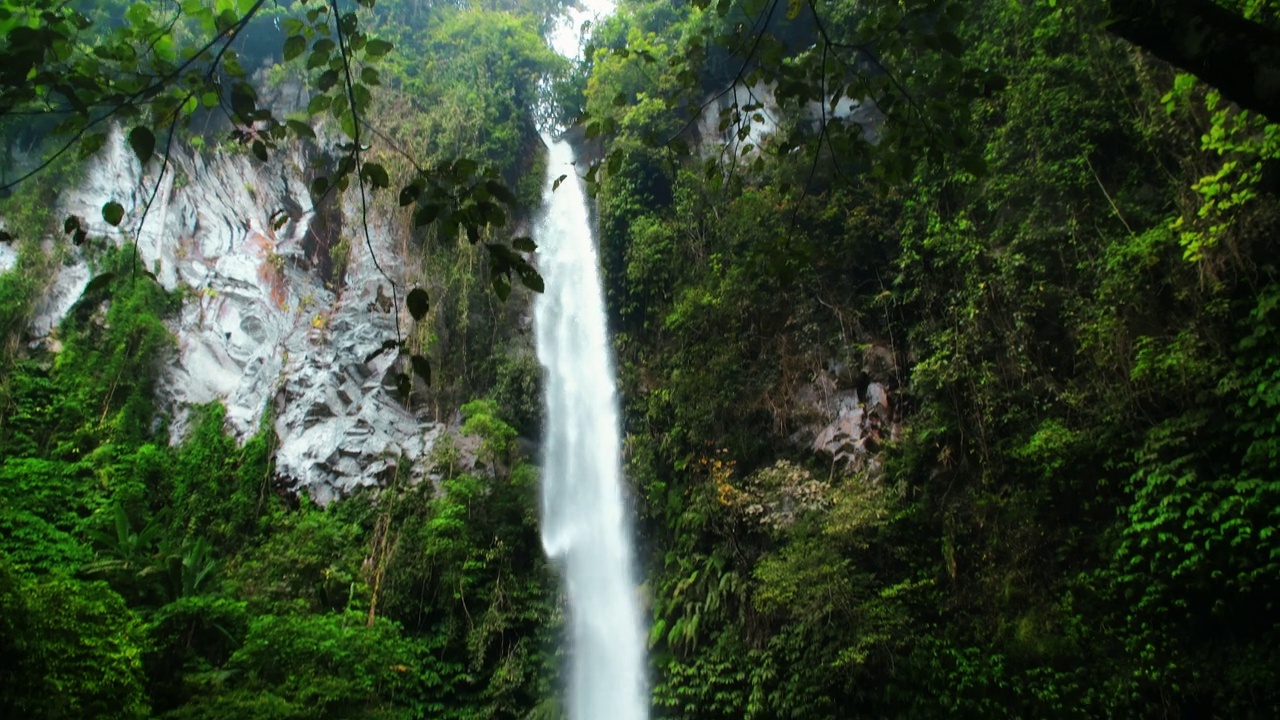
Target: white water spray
584 523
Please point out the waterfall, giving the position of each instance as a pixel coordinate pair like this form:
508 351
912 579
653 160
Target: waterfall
585 527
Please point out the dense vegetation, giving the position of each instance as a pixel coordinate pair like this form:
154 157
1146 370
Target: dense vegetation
1077 515
1055 273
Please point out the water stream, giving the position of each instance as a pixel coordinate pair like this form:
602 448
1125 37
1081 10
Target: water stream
585 524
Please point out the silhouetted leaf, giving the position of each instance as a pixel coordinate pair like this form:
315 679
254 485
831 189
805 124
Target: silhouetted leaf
556 184
418 303
425 215
113 213
376 175
408 194
500 191
501 286
5 237
531 279
259 149
143 143
524 244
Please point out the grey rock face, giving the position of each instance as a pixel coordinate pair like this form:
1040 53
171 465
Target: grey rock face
263 324
850 425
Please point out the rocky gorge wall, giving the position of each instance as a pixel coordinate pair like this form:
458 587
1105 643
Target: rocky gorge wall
283 303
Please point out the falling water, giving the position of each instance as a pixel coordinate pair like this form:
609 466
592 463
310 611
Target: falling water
584 523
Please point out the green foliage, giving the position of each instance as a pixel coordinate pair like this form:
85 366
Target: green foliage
73 650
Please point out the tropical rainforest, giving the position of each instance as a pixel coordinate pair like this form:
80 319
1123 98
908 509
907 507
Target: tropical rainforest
1029 244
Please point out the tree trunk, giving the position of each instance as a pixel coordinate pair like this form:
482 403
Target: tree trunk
1239 57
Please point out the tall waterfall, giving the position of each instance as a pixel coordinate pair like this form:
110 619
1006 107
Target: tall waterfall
584 522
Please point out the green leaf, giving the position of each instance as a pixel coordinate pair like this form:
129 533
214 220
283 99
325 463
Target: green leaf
556 184
318 104
377 48
425 214
301 129
422 367
71 223
524 244
113 213
418 303
92 143
319 57
369 76
327 79
259 150
500 191
294 46
464 168
319 186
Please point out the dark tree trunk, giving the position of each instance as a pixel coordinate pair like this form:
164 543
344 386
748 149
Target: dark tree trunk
1239 57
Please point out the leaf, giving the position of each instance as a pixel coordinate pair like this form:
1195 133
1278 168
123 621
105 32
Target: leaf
319 186
425 215
98 283
377 175
259 149
556 184
71 223
531 279
386 345
92 143
377 48
408 194
301 129
524 244
369 76
244 100
418 303
500 191
501 286
327 79
318 104
464 168
422 367
113 213
143 143
5 237
404 384
294 46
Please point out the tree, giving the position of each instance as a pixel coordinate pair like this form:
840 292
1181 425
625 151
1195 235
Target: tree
1225 49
